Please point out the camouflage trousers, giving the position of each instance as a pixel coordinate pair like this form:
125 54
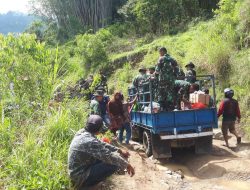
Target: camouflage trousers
165 96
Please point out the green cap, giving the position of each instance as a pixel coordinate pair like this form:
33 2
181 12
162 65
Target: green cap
151 68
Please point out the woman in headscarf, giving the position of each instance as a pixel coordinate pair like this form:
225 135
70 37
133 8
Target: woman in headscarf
116 113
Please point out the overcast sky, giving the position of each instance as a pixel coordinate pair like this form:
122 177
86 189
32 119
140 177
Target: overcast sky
14 5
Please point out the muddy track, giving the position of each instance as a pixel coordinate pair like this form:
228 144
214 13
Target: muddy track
223 169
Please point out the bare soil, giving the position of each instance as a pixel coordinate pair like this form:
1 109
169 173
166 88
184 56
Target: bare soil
223 169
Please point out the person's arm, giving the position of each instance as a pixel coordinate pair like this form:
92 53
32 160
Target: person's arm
221 109
106 153
135 82
110 110
133 101
238 112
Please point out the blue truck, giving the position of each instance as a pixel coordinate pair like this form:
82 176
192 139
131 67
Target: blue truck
162 131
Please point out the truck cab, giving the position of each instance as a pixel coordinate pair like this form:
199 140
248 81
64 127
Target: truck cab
163 130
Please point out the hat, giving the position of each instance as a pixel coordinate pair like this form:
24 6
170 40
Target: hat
142 69
95 120
229 93
151 68
190 65
94 124
228 90
100 88
98 93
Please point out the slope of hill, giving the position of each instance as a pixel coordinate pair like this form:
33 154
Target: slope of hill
14 22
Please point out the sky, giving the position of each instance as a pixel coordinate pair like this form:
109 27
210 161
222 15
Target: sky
14 5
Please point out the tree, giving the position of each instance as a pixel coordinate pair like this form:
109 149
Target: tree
157 16
77 16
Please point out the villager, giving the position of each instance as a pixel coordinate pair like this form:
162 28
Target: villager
116 113
95 106
229 109
91 161
126 124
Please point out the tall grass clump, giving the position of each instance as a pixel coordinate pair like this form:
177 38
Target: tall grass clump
39 161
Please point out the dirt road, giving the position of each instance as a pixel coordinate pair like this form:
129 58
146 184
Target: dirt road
223 169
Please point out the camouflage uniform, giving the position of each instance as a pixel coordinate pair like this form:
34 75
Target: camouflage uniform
179 73
165 79
85 151
95 108
181 91
140 79
190 76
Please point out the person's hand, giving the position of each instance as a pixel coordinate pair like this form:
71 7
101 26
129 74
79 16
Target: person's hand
124 153
131 170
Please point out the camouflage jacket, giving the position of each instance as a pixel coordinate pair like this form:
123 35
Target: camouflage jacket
191 76
95 108
182 84
139 79
85 150
165 70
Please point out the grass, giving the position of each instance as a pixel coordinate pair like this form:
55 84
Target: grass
35 157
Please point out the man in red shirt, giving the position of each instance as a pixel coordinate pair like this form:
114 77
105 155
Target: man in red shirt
229 109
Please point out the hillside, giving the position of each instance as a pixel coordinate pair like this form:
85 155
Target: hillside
13 22
35 137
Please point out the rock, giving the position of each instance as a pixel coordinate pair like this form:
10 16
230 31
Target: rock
177 175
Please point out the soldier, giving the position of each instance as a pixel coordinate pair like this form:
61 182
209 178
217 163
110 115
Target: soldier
90 161
95 105
191 73
140 78
166 80
179 73
181 92
86 84
153 81
151 71
230 110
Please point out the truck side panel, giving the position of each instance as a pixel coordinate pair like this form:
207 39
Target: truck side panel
188 121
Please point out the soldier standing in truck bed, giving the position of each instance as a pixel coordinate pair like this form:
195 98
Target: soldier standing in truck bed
142 77
166 80
191 73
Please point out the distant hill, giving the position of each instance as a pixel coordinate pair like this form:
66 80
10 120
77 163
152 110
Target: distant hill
14 22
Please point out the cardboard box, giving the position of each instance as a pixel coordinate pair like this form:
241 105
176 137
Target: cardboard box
199 98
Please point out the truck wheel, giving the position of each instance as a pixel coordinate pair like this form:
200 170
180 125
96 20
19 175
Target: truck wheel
203 145
147 143
135 133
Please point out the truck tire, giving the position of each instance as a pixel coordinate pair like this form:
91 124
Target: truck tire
147 143
203 145
135 133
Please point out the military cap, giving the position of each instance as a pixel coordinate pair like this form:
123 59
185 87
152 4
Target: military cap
98 93
190 65
142 69
151 68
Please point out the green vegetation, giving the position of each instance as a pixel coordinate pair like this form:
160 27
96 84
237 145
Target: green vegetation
35 137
